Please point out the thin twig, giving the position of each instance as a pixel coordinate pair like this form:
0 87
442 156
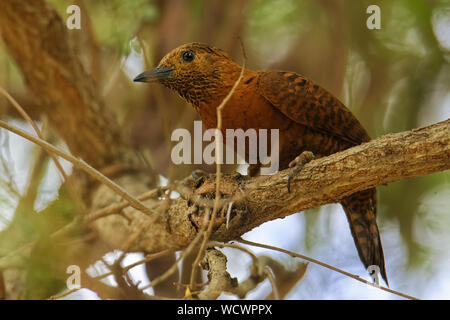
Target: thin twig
64 294
148 258
66 181
125 283
28 119
172 269
271 278
199 292
294 254
218 131
118 207
235 246
81 164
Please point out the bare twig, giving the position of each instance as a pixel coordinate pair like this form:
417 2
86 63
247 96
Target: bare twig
28 119
64 294
259 271
218 168
235 246
296 255
219 279
148 258
185 252
285 279
118 207
58 165
271 278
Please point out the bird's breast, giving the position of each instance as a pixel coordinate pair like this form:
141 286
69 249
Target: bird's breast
246 109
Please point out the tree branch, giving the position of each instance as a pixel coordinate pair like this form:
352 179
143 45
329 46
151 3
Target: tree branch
389 158
33 31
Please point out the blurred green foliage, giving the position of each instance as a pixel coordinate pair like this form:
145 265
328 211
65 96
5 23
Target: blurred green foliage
115 21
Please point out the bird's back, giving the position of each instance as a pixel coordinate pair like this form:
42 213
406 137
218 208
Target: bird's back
320 123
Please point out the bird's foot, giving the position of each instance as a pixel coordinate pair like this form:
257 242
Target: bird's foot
297 164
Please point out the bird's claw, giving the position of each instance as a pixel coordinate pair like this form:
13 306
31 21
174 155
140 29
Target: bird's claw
297 164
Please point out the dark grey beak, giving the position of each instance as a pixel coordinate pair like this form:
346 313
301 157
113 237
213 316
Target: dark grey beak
155 75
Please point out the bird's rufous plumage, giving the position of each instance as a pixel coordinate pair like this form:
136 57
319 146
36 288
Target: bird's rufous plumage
308 118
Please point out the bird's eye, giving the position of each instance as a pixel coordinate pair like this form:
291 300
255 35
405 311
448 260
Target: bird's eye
188 56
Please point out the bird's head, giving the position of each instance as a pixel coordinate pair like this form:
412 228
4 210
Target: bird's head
196 71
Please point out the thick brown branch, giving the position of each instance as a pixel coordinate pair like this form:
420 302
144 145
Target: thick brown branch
37 39
389 158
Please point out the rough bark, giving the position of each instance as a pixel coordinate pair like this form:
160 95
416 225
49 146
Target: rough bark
389 158
37 39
